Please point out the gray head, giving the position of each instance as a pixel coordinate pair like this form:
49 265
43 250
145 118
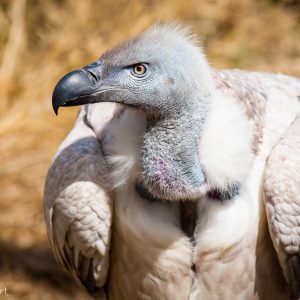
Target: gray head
163 73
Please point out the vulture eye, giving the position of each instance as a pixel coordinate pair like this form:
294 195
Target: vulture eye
139 70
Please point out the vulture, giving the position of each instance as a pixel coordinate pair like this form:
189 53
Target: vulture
178 180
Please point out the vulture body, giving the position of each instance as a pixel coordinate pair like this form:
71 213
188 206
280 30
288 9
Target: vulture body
183 183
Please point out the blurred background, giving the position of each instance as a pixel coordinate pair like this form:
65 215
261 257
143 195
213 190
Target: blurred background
41 40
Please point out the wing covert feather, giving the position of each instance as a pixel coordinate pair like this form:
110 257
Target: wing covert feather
78 208
282 200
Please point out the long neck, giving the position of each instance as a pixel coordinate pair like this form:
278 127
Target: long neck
170 157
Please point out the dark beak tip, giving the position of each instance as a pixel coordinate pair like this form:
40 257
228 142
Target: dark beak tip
55 104
70 88
55 111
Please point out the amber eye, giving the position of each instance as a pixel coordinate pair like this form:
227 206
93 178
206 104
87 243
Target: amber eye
139 70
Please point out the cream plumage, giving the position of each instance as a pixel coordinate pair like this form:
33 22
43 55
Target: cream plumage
168 193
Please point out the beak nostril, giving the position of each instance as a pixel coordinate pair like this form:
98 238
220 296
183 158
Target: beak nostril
96 79
94 71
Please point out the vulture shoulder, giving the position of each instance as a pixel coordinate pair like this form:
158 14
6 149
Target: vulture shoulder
282 201
78 205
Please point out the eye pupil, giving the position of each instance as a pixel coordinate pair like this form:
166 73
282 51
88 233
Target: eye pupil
139 70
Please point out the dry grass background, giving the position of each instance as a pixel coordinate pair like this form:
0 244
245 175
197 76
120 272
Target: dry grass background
40 40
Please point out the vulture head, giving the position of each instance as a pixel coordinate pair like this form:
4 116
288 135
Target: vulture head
163 74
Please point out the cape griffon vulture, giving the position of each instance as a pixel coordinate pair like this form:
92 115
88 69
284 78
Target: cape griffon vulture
180 181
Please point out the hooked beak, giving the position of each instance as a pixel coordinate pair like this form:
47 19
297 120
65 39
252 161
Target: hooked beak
78 87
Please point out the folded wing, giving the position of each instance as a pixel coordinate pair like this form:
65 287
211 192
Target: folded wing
282 200
78 207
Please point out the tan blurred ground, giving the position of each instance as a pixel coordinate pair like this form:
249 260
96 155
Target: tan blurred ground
40 40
